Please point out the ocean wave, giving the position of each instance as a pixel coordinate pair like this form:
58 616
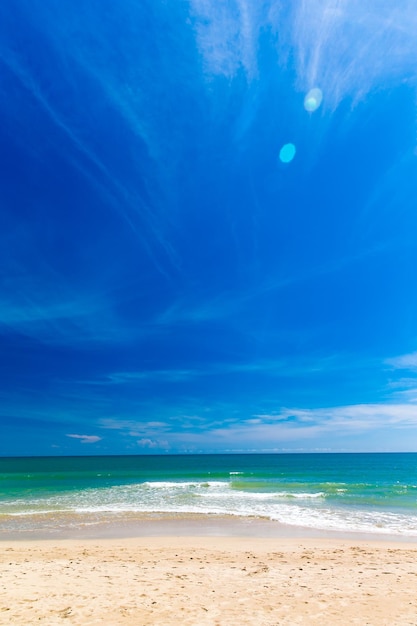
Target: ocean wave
180 484
330 509
289 515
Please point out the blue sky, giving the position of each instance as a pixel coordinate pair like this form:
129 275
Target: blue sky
169 281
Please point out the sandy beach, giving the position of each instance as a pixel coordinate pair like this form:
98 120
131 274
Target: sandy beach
208 580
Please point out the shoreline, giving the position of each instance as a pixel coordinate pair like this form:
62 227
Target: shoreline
195 525
206 580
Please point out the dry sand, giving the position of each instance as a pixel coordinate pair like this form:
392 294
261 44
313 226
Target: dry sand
208 580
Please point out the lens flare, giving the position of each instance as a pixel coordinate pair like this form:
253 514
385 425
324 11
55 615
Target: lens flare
287 153
313 99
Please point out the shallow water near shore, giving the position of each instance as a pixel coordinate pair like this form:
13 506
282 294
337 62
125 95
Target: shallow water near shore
373 494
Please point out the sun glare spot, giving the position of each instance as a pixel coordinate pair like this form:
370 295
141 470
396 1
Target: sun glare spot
313 99
287 153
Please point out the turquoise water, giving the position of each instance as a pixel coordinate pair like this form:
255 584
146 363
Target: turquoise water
374 493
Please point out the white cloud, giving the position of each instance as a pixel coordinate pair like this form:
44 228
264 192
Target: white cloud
227 35
311 429
147 443
345 48
152 443
405 361
332 422
359 416
86 438
297 426
349 47
131 425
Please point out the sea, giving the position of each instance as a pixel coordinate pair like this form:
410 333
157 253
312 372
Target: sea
373 494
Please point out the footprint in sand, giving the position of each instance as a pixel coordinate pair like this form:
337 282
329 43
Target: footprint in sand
65 612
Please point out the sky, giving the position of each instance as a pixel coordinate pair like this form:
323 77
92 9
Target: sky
208 226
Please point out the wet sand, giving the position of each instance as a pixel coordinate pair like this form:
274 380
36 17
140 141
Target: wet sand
208 580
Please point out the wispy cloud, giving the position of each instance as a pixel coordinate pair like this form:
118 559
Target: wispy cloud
86 438
403 384
345 47
349 47
44 307
404 361
127 198
142 428
262 367
231 305
173 375
358 417
227 35
302 427
297 427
